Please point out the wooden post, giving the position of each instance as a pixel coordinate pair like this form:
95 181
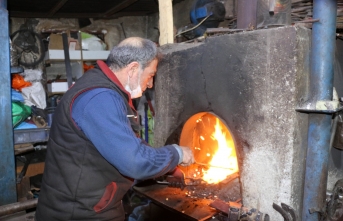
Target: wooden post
166 22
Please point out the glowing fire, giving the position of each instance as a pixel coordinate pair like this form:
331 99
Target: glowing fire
224 161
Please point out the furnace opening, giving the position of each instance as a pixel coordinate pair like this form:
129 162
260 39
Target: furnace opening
213 147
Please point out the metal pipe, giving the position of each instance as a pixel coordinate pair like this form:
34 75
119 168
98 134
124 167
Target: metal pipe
67 59
8 193
17 207
321 88
246 14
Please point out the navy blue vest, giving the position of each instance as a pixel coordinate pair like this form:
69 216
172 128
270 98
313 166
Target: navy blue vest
78 183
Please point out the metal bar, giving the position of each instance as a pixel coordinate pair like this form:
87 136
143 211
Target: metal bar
271 7
8 193
119 7
321 88
56 8
79 36
308 21
246 14
122 28
17 207
208 165
222 30
67 59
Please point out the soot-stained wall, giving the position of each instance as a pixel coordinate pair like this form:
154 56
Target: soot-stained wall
253 81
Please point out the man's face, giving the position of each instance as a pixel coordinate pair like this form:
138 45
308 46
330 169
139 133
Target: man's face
146 80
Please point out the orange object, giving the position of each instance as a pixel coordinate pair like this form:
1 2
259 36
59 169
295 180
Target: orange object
87 67
18 82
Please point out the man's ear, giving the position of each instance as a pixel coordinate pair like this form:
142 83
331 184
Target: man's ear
133 67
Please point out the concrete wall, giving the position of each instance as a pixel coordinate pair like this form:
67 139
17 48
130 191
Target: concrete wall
253 81
336 155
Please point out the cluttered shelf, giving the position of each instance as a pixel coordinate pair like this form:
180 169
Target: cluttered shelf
93 48
58 55
30 105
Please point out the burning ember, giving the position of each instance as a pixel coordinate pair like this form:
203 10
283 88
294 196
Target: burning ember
213 147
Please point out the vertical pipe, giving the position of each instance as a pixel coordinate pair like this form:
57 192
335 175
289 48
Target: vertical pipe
8 192
67 59
246 14
321 87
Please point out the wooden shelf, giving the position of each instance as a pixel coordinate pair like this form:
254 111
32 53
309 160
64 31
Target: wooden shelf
58 55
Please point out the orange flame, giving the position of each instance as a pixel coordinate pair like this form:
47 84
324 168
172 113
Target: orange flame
225 157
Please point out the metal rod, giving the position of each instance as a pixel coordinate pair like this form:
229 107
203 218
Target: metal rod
8 193
208 165
79 35
17 207
222 30
67 59
307 21
321 88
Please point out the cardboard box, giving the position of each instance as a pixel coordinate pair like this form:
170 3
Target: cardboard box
58 87
56 43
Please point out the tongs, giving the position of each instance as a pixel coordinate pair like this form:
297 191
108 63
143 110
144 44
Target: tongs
168 180
177 178
209 165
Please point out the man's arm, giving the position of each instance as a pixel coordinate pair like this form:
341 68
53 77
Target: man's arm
101 114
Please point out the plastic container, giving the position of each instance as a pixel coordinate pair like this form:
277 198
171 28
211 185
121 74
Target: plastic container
31 135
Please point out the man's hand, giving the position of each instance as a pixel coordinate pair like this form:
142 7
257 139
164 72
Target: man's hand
188 157
176 178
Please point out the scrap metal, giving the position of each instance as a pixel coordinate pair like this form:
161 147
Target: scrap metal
236 212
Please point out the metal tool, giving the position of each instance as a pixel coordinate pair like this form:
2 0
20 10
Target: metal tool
176 178
286 212
209 165
236 212
166 180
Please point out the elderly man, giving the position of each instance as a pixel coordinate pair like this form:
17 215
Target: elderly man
93 152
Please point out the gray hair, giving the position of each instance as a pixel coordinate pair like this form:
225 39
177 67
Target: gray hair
132 49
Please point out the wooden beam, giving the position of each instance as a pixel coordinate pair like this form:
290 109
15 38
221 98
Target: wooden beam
119 7
166 22
136 13
20 14
56 8
17 14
